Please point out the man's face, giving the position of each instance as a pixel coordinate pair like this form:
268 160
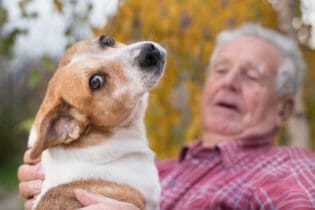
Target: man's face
240 99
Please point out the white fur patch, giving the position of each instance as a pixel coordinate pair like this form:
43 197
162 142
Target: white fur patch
32 137
125 158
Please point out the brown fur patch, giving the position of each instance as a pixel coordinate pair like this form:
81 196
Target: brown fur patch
93 137
91 115
62 197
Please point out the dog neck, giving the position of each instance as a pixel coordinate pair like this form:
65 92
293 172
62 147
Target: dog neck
128 137
127 144
136 116
108 160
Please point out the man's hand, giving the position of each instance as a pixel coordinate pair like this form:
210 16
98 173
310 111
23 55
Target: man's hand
93 201
31 176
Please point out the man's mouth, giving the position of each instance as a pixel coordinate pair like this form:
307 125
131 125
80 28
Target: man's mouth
230 106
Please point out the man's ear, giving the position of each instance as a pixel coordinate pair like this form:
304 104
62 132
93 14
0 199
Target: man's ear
57 123
285 110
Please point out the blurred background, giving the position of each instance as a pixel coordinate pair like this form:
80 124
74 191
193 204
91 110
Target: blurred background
35 33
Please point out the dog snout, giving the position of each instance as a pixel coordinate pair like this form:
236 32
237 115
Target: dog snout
150 56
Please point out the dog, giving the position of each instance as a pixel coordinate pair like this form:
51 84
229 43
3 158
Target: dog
89 129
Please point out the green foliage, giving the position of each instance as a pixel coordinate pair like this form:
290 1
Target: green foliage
3 16
8 173
6 43
49 64
11 140
34 78
25 125
25 14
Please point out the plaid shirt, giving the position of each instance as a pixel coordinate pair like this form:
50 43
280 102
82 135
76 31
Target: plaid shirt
239 174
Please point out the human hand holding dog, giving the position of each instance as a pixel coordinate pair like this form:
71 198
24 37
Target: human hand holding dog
93 201
31 176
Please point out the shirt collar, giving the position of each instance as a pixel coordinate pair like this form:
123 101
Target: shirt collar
196 149
231 151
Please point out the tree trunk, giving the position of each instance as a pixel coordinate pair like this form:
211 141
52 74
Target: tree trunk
297 130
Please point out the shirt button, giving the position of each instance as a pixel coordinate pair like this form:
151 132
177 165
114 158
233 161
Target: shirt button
172 183
195 162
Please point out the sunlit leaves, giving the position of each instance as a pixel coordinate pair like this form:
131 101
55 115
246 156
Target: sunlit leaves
187 29
3 16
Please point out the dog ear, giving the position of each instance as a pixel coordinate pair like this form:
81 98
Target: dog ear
57 123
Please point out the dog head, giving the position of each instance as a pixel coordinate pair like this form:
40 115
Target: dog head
97 86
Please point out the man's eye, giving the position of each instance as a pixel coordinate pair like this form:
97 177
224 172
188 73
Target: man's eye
251 77
221 70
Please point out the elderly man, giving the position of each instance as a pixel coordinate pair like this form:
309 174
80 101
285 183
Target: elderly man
254 74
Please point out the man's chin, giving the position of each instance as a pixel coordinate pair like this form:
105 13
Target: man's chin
223 126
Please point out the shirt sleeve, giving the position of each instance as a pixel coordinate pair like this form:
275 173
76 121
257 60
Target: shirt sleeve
295 190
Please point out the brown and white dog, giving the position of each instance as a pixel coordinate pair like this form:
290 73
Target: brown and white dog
89 128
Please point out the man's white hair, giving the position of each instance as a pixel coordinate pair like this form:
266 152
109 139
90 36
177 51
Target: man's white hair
290 72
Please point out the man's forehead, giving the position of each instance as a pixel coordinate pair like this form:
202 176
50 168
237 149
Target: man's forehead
253 50
250 43
222 60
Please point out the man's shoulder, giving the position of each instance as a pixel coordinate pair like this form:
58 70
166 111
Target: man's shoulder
294 153
296 159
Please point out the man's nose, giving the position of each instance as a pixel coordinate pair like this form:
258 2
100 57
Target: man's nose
232 80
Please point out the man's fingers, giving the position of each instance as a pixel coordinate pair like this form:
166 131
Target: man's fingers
29 204
98 206
30 175
27 158
30 188
110 206
87 198
94 201
30 172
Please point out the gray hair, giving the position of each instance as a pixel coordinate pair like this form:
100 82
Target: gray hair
290 72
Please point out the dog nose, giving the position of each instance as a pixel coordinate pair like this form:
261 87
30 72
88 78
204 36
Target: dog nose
149 56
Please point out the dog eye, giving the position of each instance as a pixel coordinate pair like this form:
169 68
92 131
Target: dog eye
96 81
106 41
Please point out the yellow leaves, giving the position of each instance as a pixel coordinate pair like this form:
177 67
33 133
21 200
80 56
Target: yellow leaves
187 28
309 92
58 5
194 129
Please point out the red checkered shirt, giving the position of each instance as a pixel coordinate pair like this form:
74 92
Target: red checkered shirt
239 174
